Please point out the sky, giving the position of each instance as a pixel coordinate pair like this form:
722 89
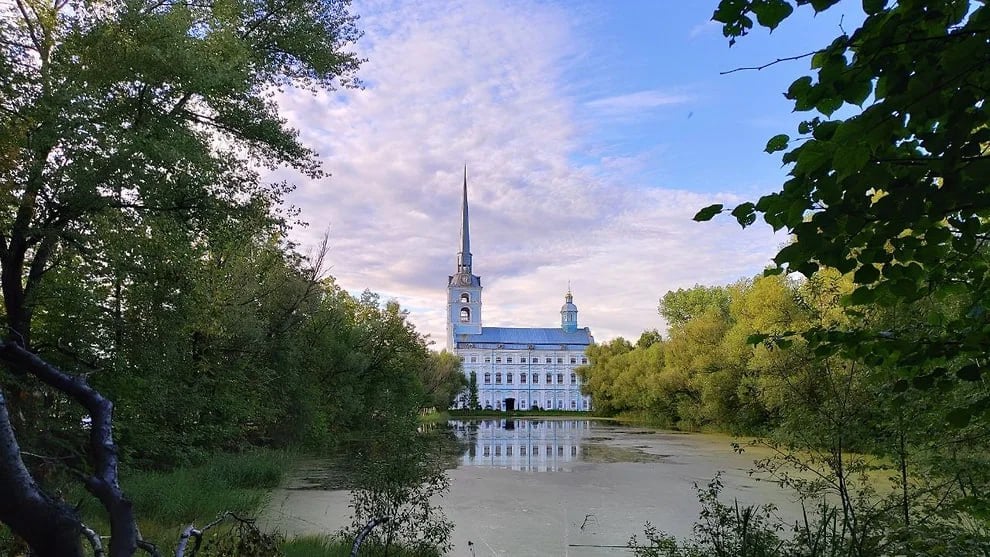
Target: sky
592 132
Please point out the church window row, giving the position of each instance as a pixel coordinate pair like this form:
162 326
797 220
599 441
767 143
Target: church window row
549 404
523 377
488 450
508 359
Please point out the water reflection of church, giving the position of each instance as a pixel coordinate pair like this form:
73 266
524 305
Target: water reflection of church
524 445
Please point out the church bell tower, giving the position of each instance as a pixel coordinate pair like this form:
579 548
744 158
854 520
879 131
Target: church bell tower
463 287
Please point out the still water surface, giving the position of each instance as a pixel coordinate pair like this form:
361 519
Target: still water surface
558 487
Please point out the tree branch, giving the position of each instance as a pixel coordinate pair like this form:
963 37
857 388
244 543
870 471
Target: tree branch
775 62
103 483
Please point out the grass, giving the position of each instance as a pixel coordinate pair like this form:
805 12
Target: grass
322 546
434 417
166 502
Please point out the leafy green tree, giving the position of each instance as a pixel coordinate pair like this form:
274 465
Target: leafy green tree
473 403
127 126
681 305
649 338
895 193
443 379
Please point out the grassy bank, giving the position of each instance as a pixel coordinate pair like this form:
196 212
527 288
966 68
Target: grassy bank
317 546
166 502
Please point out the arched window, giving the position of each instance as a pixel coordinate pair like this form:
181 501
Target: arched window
465 298
465 315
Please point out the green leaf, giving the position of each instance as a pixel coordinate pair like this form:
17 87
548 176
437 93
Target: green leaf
862 295
756 339
866 274
923 382
769 13
799 89
745 214
777 143
856 91
959 417
828 105
708 212
873 7
971 372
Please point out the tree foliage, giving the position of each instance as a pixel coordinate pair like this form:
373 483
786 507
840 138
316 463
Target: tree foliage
896 193
144 261
892 469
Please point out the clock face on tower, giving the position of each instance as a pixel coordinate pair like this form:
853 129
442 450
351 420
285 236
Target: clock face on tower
465 280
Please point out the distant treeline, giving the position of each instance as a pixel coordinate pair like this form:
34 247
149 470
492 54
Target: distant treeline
731 361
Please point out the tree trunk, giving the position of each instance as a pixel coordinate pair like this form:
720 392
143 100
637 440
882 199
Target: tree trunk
50 528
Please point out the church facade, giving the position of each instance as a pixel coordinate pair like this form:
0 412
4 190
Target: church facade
516 368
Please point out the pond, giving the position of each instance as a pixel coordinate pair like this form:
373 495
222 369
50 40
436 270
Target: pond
556 486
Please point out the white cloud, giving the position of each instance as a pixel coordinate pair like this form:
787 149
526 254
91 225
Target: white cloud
482 82
640 101
710 27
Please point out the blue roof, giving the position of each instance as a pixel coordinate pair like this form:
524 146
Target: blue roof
548 338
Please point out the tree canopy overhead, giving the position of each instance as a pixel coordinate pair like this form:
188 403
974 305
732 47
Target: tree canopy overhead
897 192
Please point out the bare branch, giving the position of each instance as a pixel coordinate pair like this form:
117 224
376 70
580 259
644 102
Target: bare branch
775 62
94 540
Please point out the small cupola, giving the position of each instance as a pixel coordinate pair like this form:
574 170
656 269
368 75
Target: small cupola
568 314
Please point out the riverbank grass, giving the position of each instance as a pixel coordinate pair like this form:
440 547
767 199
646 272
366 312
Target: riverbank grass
327 546
166 502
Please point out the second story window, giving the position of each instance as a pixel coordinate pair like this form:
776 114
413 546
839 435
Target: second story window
498 378
522 377
560 378
560 360
549 361
549 378
573 360
508 360
498 359
536 378
488 379
573 378
508 378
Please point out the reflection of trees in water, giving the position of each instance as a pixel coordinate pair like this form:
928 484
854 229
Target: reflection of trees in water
399 467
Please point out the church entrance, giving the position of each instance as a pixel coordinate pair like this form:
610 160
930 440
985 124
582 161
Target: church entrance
510 404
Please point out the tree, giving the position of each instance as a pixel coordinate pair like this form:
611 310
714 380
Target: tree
443 379
896 193
131 119
681 305
473 403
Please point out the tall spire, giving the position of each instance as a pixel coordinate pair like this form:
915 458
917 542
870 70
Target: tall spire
464 256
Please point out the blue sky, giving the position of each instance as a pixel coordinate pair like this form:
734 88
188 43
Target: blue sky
593 131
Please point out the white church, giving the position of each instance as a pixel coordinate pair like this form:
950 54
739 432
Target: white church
516 368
